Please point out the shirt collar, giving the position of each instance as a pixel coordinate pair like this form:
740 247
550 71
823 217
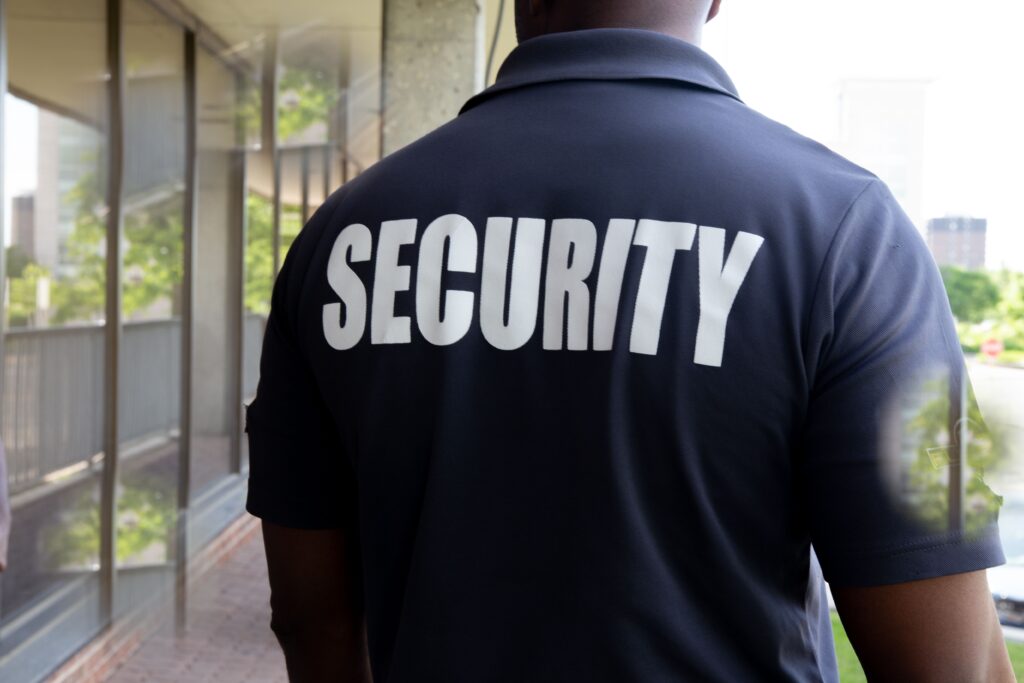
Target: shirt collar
607 54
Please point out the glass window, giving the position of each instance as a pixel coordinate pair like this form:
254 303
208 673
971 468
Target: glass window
217 304
259 271
150 373
360 130
52 414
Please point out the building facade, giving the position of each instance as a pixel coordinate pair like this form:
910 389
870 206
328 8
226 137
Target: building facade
958 241
160 157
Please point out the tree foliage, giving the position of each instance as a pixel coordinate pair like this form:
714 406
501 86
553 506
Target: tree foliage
145 524
259 254
973 295
307 95
927 430
153 264
17 260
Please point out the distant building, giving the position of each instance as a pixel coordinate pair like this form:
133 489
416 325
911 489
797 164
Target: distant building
882 126
69 160
23 220
958 241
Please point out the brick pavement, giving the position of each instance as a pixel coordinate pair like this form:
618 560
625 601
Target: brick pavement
228 636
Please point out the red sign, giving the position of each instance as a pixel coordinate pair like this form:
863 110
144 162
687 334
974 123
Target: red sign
992 348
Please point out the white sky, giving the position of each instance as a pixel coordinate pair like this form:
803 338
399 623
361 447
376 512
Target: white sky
788 57
21 141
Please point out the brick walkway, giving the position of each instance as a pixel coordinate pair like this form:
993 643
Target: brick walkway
228 638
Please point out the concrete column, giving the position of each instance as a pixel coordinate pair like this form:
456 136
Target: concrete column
433 57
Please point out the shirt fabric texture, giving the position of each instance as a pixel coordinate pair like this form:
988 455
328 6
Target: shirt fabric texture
591 367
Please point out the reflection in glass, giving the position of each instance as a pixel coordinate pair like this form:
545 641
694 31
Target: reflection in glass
931 483
216 304
150 373
52 404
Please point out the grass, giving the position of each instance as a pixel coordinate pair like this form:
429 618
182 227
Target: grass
851 672
1012 356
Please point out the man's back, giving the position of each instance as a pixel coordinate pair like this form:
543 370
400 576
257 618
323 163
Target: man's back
592 366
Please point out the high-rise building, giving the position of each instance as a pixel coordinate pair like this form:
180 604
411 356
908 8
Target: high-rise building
882 129
958 241
23 211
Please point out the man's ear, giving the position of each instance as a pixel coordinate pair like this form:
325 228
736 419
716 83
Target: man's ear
715 6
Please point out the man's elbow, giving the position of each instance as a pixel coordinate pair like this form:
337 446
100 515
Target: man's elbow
306 631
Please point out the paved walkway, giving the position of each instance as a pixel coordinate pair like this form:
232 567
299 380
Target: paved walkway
228 638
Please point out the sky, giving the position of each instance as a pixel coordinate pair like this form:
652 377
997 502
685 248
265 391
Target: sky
21 141
788 58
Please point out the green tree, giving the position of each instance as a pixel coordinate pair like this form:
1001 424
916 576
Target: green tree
1010 310
17 259
972 294
145 518
22 300
82 295
926 429
259 256
153 261
307 96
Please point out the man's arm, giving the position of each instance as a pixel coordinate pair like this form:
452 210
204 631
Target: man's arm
317 603
935 630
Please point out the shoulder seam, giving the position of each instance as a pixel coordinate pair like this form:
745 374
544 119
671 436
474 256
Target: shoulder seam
828 254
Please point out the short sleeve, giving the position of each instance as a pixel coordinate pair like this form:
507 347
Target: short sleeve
299 476
880 431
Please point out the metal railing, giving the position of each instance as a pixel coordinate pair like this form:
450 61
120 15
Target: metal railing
51 411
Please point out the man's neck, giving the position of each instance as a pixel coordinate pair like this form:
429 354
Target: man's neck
690 34
576 16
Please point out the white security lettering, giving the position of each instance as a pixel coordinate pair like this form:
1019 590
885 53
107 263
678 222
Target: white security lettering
718 288
570 260
460 235
617 241
508 286
662 240
523 300
352 245
390 278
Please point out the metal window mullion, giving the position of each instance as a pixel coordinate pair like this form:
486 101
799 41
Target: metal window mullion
269 147
385 35
958 438
189 254
113 329
3 204
239 240
304 211
240 243
3 228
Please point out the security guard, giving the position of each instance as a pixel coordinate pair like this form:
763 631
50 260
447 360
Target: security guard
566 390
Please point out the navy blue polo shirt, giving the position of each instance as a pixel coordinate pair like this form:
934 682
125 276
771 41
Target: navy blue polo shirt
592 367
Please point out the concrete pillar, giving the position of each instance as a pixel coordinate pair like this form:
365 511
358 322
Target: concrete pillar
433 62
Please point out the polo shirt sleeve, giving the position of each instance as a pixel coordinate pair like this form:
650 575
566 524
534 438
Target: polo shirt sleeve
299 475
886 369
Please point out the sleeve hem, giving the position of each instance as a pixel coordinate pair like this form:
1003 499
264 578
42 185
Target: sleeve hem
955 556
290 516
292 520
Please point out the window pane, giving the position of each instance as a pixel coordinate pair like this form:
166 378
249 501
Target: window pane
150 376
217 304
52 404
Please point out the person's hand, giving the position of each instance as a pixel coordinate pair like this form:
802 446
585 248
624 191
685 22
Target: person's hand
5 509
